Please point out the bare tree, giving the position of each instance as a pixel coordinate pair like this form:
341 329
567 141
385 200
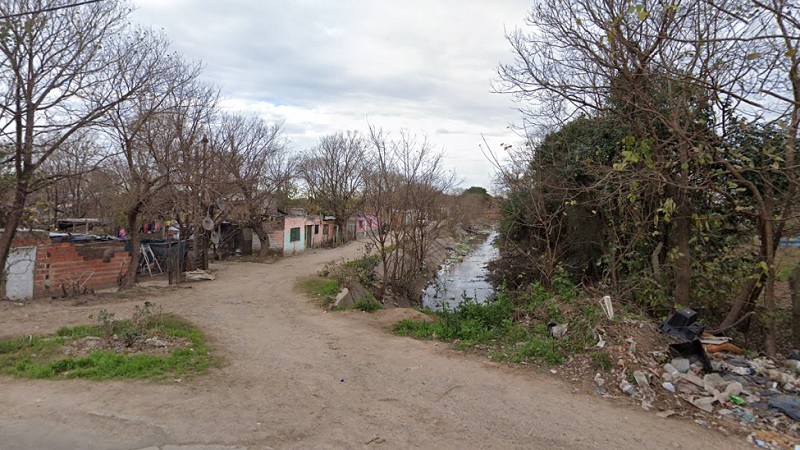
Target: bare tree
257 169
406 189
150 131
333 172
61 72
67 175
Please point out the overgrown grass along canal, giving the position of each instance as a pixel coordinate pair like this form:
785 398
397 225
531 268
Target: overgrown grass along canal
516 329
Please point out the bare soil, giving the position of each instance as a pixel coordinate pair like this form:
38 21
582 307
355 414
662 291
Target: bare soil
294 376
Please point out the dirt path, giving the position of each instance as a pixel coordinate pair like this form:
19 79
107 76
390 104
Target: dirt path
295 377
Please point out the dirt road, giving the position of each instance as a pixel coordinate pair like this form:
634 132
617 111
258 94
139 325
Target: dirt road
295 377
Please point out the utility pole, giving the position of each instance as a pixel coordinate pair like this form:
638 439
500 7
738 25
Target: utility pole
204 200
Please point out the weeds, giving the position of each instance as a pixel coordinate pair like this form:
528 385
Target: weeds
321 288
368 304
515 329
47 356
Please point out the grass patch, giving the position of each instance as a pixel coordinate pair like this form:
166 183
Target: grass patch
515 329
322 288
44 356
368 304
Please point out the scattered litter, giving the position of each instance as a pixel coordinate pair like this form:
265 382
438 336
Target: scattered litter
682 325
736 400
557 331
788 404
666 414
599 380
693 351
199 275
682 365
706 378
600 342
643 382
726 347
703 403
626 387
608 307
743 415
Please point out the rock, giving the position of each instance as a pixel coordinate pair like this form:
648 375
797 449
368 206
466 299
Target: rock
787 404
344 299
155 342
93 343
358 291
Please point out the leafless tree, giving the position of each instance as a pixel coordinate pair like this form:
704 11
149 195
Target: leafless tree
67 177
257 169
333 172
150 133
60 72
406 189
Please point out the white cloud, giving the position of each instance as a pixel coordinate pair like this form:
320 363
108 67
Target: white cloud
323 66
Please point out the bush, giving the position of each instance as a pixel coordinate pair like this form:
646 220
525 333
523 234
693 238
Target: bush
368 304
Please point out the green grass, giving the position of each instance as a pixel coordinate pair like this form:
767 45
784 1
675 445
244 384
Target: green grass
368 304
322 288
43 356
492 327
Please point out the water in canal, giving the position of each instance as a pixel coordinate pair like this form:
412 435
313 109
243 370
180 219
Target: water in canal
468 278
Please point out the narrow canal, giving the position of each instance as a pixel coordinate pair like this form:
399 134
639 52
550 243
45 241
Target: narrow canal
457 281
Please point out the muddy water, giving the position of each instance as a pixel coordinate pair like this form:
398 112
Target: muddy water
458 281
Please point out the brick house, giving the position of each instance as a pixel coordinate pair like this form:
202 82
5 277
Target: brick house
40 267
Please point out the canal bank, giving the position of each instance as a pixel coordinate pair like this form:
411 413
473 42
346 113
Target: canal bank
463 276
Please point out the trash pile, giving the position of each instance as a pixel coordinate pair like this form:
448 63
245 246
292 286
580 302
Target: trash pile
709 377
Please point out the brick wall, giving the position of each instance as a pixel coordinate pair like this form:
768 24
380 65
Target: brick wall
64 263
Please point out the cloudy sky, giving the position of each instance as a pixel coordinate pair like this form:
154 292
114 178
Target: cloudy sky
323 66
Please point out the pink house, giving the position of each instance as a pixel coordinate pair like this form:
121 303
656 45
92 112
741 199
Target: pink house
362 225
293 234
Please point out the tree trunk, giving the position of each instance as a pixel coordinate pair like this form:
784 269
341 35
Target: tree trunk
263 238
344 233
794 285
7 235
746 294
133 235
770 343
683 234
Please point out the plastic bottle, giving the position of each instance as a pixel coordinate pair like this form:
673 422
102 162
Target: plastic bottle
626 387
670 369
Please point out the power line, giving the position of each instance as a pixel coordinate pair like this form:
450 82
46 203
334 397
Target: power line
51 9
